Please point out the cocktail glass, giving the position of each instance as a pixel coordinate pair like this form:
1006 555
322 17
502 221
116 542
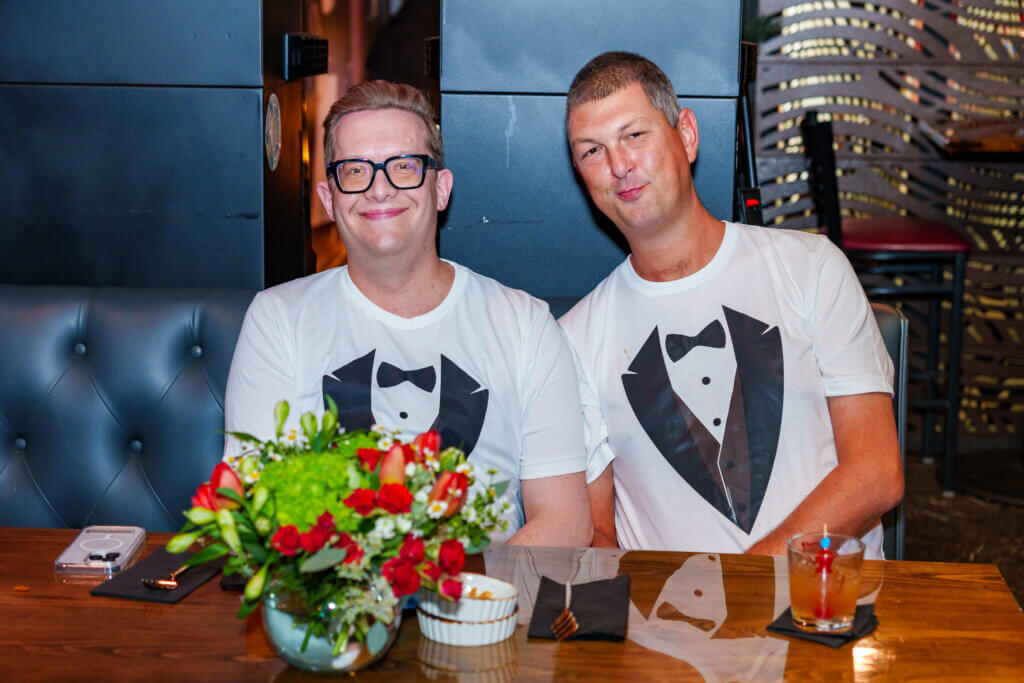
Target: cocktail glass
824 581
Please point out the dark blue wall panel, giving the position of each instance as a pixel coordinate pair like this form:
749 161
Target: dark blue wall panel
537 46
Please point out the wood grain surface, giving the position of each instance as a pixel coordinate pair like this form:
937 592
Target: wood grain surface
692 617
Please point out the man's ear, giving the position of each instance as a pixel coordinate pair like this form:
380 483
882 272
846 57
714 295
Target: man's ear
443 188
323 190
686 127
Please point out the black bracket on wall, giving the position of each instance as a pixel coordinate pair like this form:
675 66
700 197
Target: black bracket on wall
304 55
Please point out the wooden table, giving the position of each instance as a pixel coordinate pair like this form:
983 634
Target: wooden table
692 616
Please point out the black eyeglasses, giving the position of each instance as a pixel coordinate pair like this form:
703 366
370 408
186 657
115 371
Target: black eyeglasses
405 172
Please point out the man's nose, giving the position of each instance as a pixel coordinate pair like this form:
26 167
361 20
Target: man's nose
381 188
620 163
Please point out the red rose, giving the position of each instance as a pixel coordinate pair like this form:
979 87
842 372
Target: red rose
369 457
403 578
392 467
411 454
430 570
412 550
451 557
224 477
451 488
362 501
326 521
394 498
428 443
451 589
314 539
206 497
286 540
355 553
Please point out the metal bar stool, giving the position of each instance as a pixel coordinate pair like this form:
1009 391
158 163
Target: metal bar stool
898 247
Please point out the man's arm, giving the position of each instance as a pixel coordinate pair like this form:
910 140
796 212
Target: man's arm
602 509
557 512
867 482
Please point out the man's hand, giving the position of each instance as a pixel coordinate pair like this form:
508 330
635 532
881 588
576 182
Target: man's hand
557 512
867 482
602 509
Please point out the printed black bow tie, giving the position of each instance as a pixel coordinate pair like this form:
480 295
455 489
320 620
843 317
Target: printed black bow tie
389 376
678 345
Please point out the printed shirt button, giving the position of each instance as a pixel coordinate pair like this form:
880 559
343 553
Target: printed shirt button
19 444
196 351
136 445
79 349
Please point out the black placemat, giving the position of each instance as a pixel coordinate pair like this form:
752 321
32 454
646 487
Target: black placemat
601 608
864 622
158 565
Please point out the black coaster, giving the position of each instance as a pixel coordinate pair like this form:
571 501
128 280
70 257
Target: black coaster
864 622
601 608
233 582
158 565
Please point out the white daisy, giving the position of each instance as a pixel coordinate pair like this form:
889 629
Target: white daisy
385 443
464 468
403 524
436 509
410 469
469 514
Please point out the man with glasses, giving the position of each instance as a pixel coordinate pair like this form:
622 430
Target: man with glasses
404 341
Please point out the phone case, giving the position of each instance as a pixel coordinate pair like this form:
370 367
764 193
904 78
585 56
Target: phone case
101 550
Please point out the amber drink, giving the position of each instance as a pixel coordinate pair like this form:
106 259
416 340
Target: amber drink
824 581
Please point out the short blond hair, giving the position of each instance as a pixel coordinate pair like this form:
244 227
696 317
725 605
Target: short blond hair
374 95
610 72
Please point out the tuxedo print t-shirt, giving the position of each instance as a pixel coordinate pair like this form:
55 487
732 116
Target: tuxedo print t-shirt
488 368
710 391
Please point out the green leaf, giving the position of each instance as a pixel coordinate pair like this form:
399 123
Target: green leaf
229 493
500 488
208 553
478 545
247 608
244 436
257 551
376 638
324 558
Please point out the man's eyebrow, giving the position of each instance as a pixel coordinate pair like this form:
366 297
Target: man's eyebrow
639 120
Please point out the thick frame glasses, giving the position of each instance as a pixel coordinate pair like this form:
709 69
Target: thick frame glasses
404 172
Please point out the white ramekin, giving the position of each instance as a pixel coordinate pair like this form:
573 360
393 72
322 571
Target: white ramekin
466 633
472 609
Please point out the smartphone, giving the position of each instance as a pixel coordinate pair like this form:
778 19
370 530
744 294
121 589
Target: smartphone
101 550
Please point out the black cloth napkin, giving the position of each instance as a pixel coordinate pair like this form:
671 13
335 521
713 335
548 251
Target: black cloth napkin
864 622
601 608
158 565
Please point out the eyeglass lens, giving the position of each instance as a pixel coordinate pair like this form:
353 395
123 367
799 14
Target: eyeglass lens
404 173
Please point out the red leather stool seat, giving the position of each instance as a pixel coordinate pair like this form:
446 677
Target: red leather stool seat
896 233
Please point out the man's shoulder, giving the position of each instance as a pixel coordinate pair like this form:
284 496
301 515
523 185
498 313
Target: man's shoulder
588 311
499 297
787 243
300 293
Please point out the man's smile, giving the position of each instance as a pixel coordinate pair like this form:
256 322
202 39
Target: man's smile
381 214
631 193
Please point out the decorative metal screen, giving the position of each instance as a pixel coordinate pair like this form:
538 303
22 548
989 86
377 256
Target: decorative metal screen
896 77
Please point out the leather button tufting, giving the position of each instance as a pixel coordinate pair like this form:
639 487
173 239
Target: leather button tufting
19 444
196 351
79 349
137 446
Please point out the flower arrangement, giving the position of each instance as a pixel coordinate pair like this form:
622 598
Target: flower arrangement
352 521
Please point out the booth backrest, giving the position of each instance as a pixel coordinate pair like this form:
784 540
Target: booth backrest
111 401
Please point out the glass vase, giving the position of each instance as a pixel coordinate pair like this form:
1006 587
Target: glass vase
287 637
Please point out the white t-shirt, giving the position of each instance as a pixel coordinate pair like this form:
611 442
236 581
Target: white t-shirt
488 368
710 390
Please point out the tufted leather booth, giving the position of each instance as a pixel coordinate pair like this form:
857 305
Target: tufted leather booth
111 401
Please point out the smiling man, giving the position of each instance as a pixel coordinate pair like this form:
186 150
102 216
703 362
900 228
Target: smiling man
732 376
404 340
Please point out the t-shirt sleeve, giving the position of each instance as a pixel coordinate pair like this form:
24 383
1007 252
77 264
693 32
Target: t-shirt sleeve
261 375
595 429
552 419
849 348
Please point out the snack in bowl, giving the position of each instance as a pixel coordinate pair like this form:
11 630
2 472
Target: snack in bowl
484 599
